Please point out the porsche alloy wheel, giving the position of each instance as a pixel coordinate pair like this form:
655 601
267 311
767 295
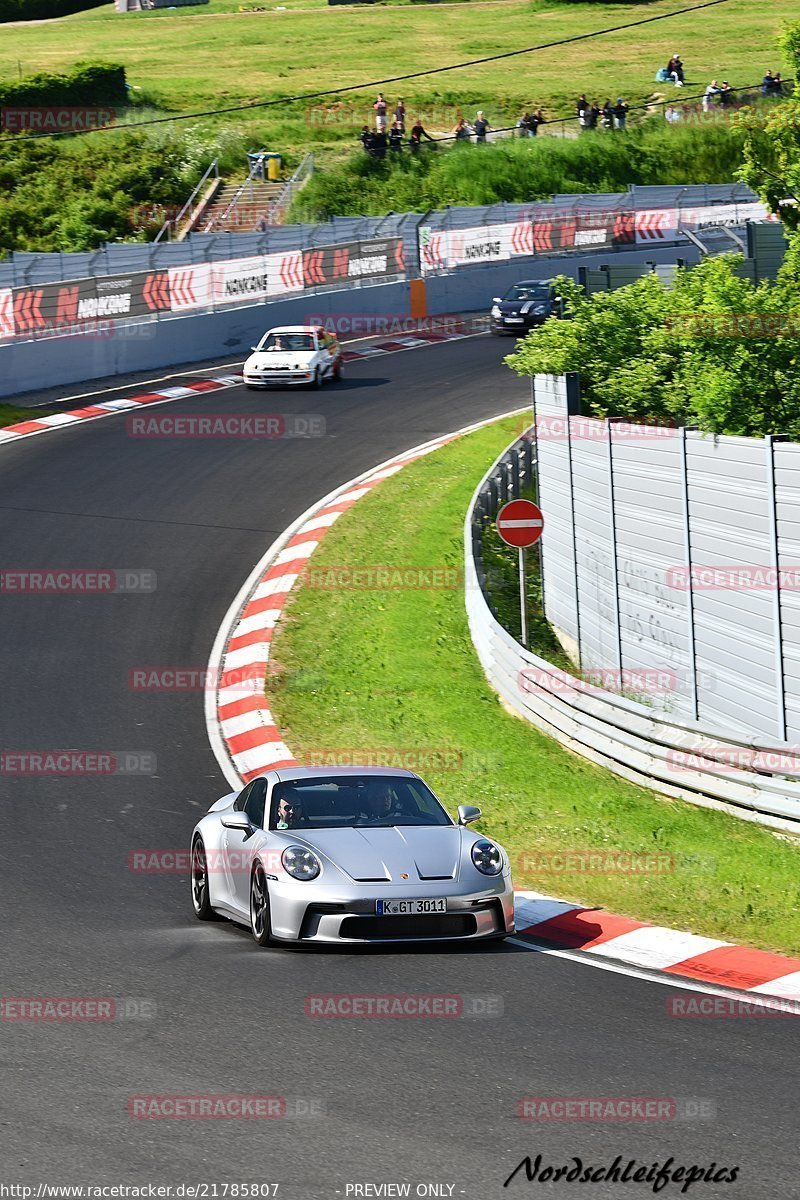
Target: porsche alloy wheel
200 898
259 907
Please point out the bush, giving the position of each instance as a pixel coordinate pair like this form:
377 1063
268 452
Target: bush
714 350
39 10
87 83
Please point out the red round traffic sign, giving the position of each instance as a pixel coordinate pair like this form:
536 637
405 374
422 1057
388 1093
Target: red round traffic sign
520 523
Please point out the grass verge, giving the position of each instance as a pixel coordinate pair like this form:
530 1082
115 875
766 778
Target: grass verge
188 59
397 669
10 414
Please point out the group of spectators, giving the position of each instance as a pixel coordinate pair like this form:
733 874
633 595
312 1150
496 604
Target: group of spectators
394 136
590 114
610 116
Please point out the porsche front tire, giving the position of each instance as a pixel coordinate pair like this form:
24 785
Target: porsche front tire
201 902
259 907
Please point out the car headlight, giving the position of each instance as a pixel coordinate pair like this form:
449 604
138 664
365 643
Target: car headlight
496 312
487 858
300 863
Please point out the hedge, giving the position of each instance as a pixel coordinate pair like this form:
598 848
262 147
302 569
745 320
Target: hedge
39 10
87 83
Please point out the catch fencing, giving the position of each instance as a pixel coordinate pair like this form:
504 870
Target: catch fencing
49 295
683 689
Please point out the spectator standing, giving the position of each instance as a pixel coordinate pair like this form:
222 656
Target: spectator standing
767 84
417 134
366 139
777 84
461 130
710 95
380 143
725 93
582 108
593 115
608 114
379 108
523 125
620 113
400 115
481 127
395 137
534 121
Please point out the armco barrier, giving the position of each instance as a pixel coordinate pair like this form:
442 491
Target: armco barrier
106 348
679 758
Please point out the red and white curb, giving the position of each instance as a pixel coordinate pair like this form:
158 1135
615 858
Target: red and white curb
679 955
247 742
110 408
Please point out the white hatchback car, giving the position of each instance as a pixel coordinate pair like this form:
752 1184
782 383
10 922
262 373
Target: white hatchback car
292 355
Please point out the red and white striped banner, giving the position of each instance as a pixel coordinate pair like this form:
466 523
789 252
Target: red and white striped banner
7 327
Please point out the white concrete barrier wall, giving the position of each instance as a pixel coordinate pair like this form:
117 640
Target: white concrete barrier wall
194 338
697 761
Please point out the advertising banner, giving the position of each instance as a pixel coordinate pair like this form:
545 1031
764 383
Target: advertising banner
348 261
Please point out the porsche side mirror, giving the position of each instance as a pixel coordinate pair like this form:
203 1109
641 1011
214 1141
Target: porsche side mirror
467 813
496 299
237 820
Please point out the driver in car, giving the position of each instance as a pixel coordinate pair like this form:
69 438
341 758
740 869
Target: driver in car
382 802
290 813
278 343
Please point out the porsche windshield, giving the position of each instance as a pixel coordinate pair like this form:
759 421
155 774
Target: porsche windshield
521 293
352 801
294 343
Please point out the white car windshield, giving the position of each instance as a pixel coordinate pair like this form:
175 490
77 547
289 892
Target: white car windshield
293 343
354 800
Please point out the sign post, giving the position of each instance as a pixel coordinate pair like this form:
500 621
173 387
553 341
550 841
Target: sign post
520 523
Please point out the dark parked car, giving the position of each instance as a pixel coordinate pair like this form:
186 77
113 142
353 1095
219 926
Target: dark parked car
526 304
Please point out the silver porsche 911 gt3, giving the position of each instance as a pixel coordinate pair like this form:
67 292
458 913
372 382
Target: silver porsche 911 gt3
348 854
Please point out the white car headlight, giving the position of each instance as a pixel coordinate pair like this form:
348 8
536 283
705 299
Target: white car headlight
496 311
487 857
300 863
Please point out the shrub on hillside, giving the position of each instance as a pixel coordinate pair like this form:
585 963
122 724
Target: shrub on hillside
40 10
521 171
87 83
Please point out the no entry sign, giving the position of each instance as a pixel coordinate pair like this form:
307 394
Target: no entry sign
520 523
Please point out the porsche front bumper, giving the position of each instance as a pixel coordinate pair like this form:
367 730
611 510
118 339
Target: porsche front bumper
350 917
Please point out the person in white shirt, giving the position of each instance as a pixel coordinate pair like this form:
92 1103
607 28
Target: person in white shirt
710 95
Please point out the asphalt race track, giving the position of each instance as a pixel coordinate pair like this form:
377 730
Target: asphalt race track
419 1101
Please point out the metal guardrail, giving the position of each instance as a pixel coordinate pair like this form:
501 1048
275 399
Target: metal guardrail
688 760
278 208
171 228
26 268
